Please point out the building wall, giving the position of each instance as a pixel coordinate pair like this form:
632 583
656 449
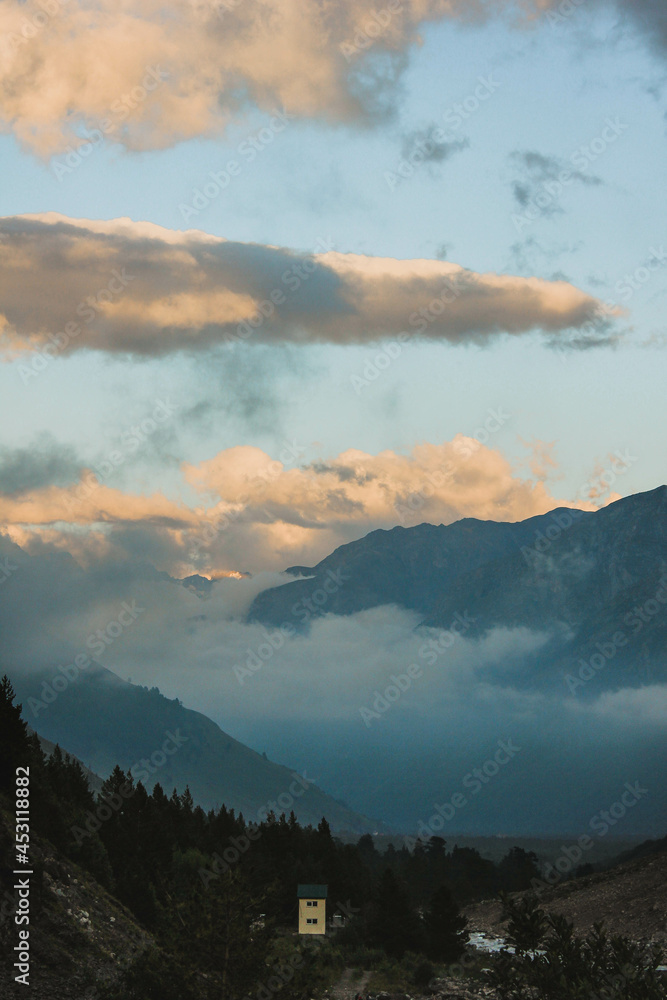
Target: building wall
312 912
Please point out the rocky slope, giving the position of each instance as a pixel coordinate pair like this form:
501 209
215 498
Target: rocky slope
631 899
79 935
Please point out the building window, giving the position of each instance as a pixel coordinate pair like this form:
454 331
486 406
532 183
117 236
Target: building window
311 920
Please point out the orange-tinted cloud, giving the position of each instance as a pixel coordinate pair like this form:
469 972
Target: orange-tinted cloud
121 286
259 513
148 75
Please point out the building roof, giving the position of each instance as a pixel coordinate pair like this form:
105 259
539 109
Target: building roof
311 891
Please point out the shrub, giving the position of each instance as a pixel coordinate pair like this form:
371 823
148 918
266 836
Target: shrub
553 963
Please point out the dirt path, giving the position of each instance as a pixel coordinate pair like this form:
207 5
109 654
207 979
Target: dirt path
346 988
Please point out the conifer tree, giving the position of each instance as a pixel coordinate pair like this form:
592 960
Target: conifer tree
446 933
16 748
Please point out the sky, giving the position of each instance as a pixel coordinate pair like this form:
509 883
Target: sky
277 274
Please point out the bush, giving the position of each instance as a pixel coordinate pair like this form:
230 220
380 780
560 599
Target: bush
152 976
553 963
423 974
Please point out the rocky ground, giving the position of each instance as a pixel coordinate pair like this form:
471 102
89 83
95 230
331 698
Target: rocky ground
440 989
630 899
348 987
456 989
79 934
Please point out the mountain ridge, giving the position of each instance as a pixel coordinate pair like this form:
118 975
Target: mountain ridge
104 720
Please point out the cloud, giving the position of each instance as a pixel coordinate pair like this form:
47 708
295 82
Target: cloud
300 514
650 18
89 501
422 146
44 463
148 80
132 287
644 706
537 172
258 513
304 695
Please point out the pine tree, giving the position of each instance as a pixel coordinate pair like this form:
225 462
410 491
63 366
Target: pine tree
393 925
446 931
517 869
16 748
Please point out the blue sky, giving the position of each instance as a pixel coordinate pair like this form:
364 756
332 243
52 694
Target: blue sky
557 85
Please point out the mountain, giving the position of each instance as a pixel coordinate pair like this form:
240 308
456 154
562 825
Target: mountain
410 567
599 583
94 781
105 721
565 649
572 567
582 577
564 655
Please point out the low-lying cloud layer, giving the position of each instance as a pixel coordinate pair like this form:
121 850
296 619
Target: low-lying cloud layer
262 513
390 715
149 76
128 287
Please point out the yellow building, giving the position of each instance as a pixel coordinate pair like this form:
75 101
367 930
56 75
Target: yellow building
312 909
